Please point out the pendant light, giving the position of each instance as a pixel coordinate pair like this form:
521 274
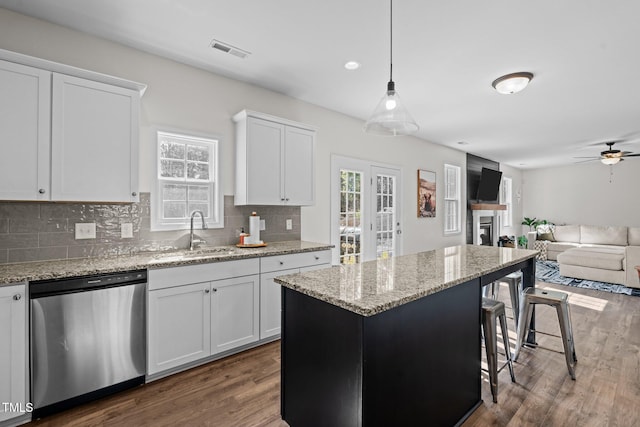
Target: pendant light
390 116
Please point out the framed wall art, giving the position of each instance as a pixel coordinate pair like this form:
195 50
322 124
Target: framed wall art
426 194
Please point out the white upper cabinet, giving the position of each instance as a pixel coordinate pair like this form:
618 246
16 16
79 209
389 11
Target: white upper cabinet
66 134
94 141
25 114
274 161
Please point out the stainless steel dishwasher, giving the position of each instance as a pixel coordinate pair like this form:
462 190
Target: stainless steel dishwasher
87 338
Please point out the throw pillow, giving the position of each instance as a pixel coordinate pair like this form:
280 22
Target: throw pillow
546 236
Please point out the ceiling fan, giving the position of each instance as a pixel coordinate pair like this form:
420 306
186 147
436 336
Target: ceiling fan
610 156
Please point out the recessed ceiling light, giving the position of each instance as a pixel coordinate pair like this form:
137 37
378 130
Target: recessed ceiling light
352 65
512 83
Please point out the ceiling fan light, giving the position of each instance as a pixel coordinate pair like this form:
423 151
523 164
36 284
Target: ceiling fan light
610 160
390 117
512 83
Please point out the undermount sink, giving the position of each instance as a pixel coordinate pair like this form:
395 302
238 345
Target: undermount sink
185 254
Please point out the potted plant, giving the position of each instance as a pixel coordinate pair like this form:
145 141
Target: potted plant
532 223
522 242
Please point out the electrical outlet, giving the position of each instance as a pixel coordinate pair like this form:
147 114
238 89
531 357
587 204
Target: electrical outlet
263 226
126 230
289 224
86 230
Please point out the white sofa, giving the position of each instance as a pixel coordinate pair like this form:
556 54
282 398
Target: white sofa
601 253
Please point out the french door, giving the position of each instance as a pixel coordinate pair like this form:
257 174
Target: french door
366 214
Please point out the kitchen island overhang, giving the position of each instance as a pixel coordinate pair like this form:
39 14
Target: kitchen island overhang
389 342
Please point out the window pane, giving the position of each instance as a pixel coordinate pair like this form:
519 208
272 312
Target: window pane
174 192
197 153
199 206
171 169
198 171
198 193
174 210
171 150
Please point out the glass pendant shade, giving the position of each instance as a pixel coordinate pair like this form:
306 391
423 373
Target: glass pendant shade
390 116
610 160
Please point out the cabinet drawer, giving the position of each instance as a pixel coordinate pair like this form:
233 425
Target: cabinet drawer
299 260
177 276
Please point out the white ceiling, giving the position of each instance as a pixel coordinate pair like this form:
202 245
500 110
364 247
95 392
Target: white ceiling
584 54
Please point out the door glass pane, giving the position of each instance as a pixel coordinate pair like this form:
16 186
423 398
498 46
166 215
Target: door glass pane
350 217
385 216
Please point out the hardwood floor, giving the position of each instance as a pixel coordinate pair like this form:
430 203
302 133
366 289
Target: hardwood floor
243 390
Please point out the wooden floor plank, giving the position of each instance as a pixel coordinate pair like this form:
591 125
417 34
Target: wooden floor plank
244 390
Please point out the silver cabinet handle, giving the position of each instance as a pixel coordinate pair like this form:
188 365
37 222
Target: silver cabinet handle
206 291
17 297
42 191
215 290
281 263
317 257
134 194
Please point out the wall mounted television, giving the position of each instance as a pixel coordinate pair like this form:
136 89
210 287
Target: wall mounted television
489 186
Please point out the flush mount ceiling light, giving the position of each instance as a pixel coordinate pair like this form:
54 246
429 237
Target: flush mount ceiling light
352 65
390 117
512 83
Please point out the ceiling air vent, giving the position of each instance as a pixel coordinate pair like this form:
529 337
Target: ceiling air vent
227 48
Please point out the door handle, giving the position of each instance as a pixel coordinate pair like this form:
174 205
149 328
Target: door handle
17 297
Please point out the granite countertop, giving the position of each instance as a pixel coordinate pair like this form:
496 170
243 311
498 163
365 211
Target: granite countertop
372 287
18 272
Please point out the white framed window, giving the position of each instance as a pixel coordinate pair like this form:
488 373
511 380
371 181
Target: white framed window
452 202
506 198
187 180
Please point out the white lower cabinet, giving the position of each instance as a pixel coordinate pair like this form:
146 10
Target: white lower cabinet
270 303
234 312
13 351
198 311
195 312
270 292
179 326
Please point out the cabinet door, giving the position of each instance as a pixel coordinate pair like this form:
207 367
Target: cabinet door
264 162
179 329
234 312
13 350
299 187
270 303
25 115
94 141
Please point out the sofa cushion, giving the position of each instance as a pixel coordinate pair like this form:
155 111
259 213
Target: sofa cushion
603 258
634 236
603 235
561 246
567 233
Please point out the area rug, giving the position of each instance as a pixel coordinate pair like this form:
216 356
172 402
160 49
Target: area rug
547 271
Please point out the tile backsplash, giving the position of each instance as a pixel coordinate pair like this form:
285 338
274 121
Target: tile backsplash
33 231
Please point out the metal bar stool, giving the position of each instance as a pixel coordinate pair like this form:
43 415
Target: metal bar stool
514 280
493 310
532 296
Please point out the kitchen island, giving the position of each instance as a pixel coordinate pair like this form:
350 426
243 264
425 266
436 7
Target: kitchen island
394 341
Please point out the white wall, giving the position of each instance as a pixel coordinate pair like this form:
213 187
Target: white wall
582 194
181 96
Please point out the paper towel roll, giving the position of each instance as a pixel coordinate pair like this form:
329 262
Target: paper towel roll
254 229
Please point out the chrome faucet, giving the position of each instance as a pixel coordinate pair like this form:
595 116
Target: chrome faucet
194 242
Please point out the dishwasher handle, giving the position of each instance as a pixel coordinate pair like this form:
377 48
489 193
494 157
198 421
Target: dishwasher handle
45 288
